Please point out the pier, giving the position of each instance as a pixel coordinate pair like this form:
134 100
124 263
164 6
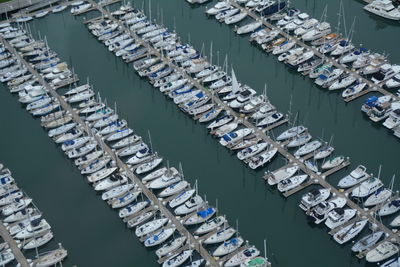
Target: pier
319 179
13 246
157 203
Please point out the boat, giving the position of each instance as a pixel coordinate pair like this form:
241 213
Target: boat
332 163
291 183
194 203
261 159
170 246
367 241
354 90
110 182
159 237
339 216
220 236
367 187
382 252
319 30
200 216
58 8
257 261
149 227
299 140
251 150
178 259
117 191
395 262
167 179
356 176
210 225
228 246
101 174
38 241
219 7
148 166
314 197
234 137
251 27
292 132
320 212
389 208
17 205
6 256
349 232
383 8
381 195
181 198
281 174
35 228
242 256
308 148
173 189
324 152
119 134
125 199
19 215
133 209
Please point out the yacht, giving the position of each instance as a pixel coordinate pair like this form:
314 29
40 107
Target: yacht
389 208
382 252
170 246
167 179
291 183
314 197
110 182
133 210
320 212
159 237
125 199
117 191
332 163
200 216
386 71
173 189
210 225
178 259
299 140
151 226
251 27
354 89
367 241
367 187
339 216
297 22
324 152
242 256
261 159
349 232
393 82
194 203
356 176
318 31
308 148
394 117
383 8
252 150
220 236
381 195
219 7
234 137
307 26
281 174
181 198
292 132
395 262
228 247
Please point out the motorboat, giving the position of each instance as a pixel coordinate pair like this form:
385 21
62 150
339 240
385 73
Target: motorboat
382 252
291 183
219 7
110 182
307 26
358 175
281 174
343 81
339 216
234 137
261 159
354 90
257 261
318 31
35 228
386 71
17 205
349 232
320 212
367 187
383 8
314 197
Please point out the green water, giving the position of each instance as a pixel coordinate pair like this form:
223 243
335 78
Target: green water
92 232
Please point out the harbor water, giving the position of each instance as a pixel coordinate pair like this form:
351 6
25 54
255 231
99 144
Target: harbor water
92 232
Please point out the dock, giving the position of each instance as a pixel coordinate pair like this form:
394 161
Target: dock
316 178
149 194
13 246
334 62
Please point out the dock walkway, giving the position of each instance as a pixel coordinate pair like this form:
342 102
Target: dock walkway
13 246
